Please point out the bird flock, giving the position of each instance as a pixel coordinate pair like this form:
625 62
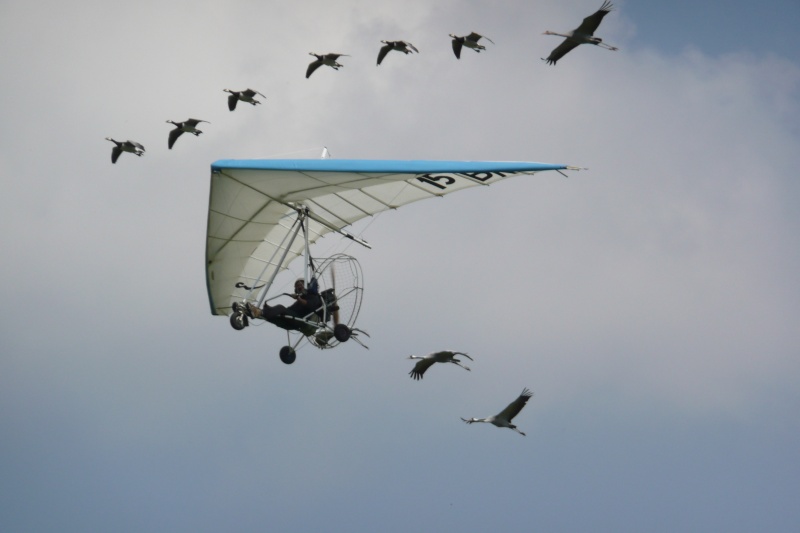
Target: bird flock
502 419
583 34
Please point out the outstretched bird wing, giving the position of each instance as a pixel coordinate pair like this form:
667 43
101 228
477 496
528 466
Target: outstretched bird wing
477 36
173 136
420 368
115 153
516 406
560 51
384 50
458 42
312 67
251 93
232 100
590 23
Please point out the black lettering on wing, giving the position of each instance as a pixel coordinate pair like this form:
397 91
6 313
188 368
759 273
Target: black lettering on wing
436 180
483 177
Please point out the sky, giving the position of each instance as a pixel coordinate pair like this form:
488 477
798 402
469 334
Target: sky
650 301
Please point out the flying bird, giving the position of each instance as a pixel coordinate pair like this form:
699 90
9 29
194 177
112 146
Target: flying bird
126 146
400 46
445 356
324 59
583 34
187 126
248 95
503 418
470 41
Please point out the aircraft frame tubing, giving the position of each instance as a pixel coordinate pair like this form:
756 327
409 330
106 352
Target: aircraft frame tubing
296 227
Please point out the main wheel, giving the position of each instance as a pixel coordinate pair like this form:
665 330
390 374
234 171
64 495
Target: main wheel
341 332
238 321
288 355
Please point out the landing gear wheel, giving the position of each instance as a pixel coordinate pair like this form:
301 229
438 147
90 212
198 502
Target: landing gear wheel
288 355
238 321
341 332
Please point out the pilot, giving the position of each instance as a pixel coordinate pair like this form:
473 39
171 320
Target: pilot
306 301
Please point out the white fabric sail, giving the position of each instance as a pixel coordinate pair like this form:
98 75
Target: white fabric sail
253 205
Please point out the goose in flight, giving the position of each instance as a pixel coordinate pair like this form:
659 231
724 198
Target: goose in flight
324 59
503 418
248 95
470 41
187 126
424 363
124 146
583 34
400 46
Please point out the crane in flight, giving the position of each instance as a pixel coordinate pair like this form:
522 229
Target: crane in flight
444 356
583 34
125 146
188 126
248 95
400 46
503 418
470 41
324 59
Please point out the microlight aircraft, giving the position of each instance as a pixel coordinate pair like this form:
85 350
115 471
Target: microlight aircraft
264 213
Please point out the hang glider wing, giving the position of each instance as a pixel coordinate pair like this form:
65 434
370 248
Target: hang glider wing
253 203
